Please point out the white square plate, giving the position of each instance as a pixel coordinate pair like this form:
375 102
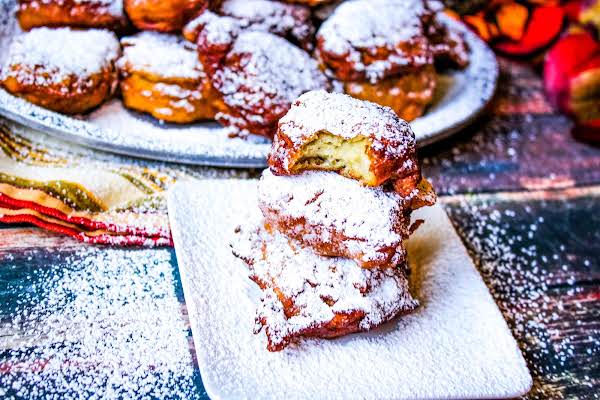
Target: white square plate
456 345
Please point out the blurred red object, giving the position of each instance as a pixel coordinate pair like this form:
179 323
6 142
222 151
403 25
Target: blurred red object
543 27
572 81
518 28
573 9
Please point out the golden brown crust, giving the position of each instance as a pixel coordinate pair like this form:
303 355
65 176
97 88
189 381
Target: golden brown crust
333 243
163 15
307 295
346 68
72 95
54 13
312 208
336 245
178 102
340 325
290 21
448 45
171 86
402 172
386 144
371 40
408 94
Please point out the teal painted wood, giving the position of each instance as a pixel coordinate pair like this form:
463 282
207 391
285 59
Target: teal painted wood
539 255
80 320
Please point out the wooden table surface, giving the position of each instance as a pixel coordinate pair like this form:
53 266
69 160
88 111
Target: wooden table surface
87 321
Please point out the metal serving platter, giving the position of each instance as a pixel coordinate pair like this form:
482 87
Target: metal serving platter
460 97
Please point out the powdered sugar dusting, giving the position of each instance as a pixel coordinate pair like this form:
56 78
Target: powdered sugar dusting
272 73
344 116
364 25
96 322
272 16
218 30
112 128
165 55
111 7
369 218
455 345
59 54
537 276
309 279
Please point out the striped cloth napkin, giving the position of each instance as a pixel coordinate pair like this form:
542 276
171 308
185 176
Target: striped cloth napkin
92 196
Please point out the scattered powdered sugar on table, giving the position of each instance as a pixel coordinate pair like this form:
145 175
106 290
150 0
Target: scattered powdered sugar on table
311 282
504 236
161 54
44 56
98 322
455 345
368 218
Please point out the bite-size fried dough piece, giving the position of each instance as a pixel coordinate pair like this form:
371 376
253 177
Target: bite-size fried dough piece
375 39
357 139
290 21
163 15
64 70
75 13
307 295
257 74
161 75
339 217
407 94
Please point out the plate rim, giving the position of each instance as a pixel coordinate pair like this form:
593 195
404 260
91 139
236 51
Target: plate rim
91 135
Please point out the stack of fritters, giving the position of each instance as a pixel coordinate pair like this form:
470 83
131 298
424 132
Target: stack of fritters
329 253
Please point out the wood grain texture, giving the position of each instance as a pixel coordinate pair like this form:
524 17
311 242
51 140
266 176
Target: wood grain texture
15 239
539 257
550 296
520 144
79 320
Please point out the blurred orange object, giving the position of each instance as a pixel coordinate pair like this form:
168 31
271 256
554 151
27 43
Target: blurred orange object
589 13
511 19
479 24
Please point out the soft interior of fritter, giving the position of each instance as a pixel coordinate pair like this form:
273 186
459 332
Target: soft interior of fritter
333 153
